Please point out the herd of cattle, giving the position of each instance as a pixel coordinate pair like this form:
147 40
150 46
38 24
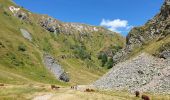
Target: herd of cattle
53 87
137 93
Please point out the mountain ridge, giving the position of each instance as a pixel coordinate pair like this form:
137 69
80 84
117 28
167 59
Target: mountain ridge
23 42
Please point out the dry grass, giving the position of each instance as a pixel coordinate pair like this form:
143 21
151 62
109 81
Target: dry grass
36 91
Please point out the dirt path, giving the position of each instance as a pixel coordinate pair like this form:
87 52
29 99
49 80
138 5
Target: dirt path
68 94
44 97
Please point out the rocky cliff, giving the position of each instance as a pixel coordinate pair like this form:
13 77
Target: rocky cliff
56 26
156 29
136 68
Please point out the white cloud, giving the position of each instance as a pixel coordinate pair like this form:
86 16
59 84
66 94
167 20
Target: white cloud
116 25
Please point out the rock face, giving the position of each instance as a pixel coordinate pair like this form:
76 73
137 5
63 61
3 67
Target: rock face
26 34
155 29
165 54
14 9
55 68
56 26
158 27
144 73
19 13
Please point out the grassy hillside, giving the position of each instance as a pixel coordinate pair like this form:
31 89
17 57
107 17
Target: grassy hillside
21 59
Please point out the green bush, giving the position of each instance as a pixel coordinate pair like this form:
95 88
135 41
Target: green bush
5 13
115 49
107 61
103 57
110 63
81 52
22 48
14 60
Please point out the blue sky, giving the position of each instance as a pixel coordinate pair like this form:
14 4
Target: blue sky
117 15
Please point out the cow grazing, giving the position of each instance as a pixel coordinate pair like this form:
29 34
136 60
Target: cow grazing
137 93
54 87
92 90
89 90
145 97
74 87
2 84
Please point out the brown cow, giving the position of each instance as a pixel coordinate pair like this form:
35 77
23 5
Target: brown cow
89 90
2 84
137 93
145 97
92 90
54 87
72 87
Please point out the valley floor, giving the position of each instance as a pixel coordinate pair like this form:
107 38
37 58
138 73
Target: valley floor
38 91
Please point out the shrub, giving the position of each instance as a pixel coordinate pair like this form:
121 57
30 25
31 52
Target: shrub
81 52
14 60
115 49
103 58
110 63
22 48
5 13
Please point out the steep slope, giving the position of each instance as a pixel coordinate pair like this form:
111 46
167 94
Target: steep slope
137 69
25 37
152 38
143 73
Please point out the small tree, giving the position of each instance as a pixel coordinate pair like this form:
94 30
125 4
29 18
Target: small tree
110 63
103 58
81 52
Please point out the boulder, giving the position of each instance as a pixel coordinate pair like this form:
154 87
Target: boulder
26 34
165 54
21 15
64 77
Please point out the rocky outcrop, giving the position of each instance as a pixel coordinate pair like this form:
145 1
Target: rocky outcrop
55 68
155 29
26 34
56 26
145 73
21 15
165 54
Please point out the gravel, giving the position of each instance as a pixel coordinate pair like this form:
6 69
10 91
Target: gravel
145 73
